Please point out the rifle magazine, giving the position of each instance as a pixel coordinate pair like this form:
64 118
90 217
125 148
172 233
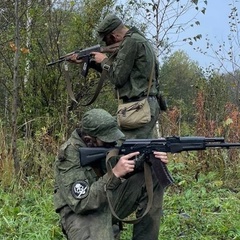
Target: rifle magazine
161 172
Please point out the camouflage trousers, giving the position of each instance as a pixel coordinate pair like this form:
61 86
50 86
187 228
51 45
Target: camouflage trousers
128 198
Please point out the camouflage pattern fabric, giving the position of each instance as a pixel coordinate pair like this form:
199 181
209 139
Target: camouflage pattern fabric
132 66
130 74
108 24
80 198
79 195
99 123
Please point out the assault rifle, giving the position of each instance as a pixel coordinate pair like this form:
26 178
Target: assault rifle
173 144
85 55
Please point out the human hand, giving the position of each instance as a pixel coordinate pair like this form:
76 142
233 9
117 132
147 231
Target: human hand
161 155
98 57
125 165
73 59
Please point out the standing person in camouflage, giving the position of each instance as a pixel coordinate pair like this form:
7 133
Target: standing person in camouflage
131 69
80 192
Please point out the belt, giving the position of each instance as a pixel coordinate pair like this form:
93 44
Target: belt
134 99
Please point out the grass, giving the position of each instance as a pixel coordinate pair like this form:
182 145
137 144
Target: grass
206 208
27 212
201 210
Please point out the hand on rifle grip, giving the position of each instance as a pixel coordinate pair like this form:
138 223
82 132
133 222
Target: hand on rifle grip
161 156
74 59
125 165
98 56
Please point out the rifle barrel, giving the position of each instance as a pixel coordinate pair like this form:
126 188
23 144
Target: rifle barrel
222 145
215 139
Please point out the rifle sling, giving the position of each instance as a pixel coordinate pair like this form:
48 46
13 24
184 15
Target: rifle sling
148 183
69 85
102 79
98 89
99 86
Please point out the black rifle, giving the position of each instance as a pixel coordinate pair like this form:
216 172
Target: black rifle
173 144
85 55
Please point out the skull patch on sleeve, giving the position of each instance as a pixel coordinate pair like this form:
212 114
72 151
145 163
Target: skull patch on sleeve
80 189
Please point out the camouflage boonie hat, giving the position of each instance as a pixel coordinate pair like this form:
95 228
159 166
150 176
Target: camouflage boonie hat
108 24
101 124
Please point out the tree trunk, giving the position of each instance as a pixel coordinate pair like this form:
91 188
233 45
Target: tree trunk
15 94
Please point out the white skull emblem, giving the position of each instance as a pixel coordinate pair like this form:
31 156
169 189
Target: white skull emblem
80 189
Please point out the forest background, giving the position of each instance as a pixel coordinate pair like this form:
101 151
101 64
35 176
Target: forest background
37 115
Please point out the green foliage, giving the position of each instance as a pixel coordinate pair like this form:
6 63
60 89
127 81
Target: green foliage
217 95
204 202
27 212
47 32
232 84
202 208
179 78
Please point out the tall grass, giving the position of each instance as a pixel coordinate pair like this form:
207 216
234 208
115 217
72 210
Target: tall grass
202 208
27 212
202 204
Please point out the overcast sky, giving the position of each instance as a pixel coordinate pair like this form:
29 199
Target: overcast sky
214 25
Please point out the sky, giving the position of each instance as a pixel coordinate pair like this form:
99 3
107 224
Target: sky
214 25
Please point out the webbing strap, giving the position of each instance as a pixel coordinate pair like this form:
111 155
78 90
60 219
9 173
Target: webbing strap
99 86
148 183
69 85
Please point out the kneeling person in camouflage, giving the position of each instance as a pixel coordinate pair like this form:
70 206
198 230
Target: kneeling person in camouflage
80 192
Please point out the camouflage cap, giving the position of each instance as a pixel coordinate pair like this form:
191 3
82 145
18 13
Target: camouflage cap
108 24
101 124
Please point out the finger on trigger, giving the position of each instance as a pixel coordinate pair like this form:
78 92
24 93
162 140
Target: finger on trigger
130 155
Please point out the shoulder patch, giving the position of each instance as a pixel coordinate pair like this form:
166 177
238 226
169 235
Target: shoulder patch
80 189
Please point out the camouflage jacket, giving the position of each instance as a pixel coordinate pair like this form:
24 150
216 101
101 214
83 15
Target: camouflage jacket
78 187
132 66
